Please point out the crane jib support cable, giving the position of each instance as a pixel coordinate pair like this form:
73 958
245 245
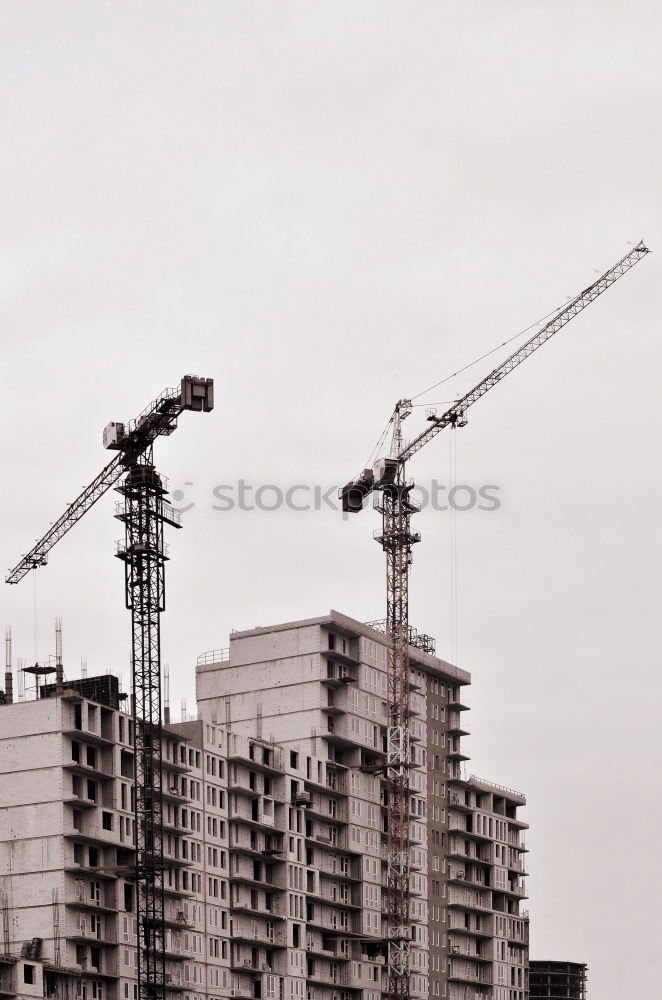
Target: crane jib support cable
143 551
392 499
455 415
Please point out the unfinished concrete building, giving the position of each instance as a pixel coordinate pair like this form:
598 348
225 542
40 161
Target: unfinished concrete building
557 979
319 687
273 833
66 853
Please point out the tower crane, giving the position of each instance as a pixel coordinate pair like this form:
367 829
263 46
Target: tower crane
144 513
388 481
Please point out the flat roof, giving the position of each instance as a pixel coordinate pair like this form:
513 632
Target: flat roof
352 629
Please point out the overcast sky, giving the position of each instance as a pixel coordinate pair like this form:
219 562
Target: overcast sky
325 207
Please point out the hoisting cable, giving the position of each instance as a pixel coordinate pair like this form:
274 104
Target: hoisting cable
452 528
455 559
488 353
35 618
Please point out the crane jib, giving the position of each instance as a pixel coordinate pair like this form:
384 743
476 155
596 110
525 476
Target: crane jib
130 441
354 493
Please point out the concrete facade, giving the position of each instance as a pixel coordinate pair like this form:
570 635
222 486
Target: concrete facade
274 826
320 684
66 849
488 930
557 979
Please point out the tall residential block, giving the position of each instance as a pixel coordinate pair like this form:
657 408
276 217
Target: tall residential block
274 833
318 687
66 854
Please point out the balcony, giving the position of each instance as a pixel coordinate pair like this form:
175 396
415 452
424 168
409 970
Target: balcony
175 766
465 993
320 806
456 801
258 756
83 901
83 770
331 866
275 854
518 935
174 981
331 708
458 875
335 924
465 951
83 934
455 727
457 705
320 947
322 974
177 919
259 931
514 890
327 895
174 861
333 784
335 656
176 891
469 899
243 904
455 825
251 813
89 736
248 875
174 825
458 926
108 969
171 793
79 801
338 840
467 972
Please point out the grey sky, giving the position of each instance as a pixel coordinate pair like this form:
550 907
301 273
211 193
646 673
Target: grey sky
327 206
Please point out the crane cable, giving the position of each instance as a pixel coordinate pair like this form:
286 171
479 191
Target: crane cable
448 402
35 619
380 442
453 589
488 353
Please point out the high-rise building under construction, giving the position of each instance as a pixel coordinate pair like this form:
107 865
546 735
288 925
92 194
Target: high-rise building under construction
319 687
273 831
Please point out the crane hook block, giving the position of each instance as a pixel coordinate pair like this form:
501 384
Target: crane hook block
197 393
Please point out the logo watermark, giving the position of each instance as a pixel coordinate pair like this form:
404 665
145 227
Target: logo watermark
246 496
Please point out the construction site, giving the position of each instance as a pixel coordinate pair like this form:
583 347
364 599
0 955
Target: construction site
315 832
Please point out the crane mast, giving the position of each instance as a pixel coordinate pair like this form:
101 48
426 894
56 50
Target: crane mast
144 512
388 480
397 539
